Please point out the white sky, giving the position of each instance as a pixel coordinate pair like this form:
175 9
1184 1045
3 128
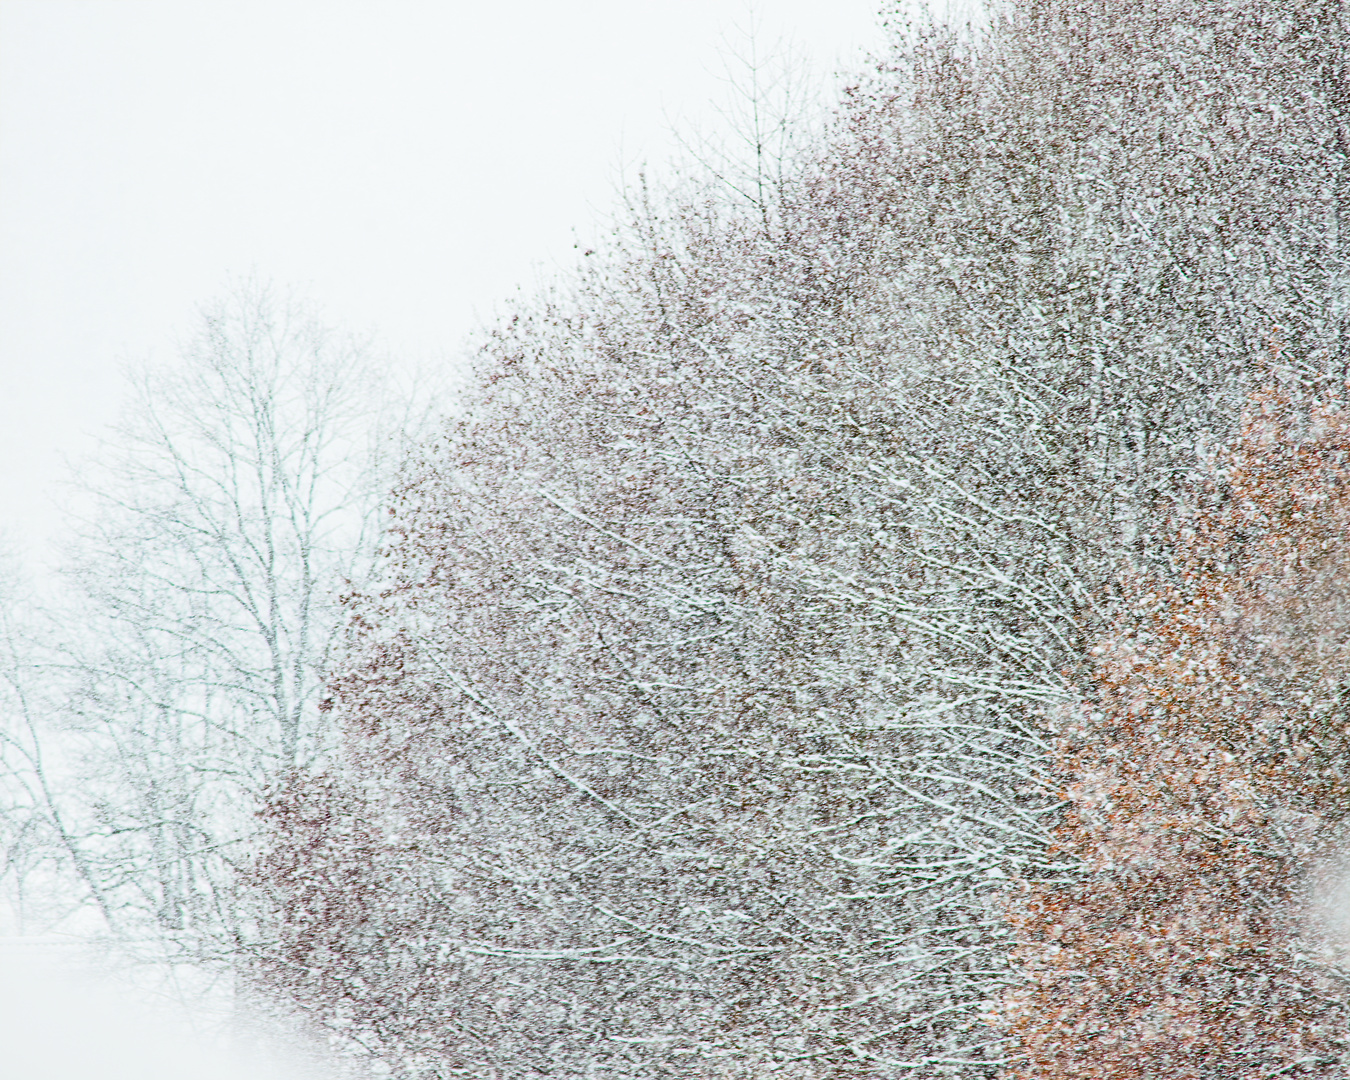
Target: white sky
404 164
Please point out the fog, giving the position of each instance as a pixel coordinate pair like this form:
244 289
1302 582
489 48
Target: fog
65 1017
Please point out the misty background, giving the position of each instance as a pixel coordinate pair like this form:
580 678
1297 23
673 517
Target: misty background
405 165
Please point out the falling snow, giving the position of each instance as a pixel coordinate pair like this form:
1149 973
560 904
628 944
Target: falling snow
883 614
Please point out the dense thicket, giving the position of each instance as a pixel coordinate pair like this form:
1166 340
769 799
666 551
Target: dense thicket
695 727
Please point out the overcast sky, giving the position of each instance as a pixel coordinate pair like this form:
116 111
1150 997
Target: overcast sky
406 165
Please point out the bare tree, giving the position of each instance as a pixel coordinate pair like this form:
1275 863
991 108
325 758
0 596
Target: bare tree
44 869
769 124
235 502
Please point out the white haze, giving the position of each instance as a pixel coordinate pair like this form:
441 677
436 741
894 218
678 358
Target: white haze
63 1019
1328 912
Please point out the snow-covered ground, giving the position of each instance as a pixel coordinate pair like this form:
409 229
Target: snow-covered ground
63 1018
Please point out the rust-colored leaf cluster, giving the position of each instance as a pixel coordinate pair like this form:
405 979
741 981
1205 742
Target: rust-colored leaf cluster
1205 782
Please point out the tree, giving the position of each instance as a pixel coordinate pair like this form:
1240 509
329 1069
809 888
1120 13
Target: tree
42 852
222 520
691 727
1204 782
643 778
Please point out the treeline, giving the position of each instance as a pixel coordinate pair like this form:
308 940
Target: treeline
708 716
883 616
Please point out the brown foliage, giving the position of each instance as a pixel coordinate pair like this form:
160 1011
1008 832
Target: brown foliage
1203 786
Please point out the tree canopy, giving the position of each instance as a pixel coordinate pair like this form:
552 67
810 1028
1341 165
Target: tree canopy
697 723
